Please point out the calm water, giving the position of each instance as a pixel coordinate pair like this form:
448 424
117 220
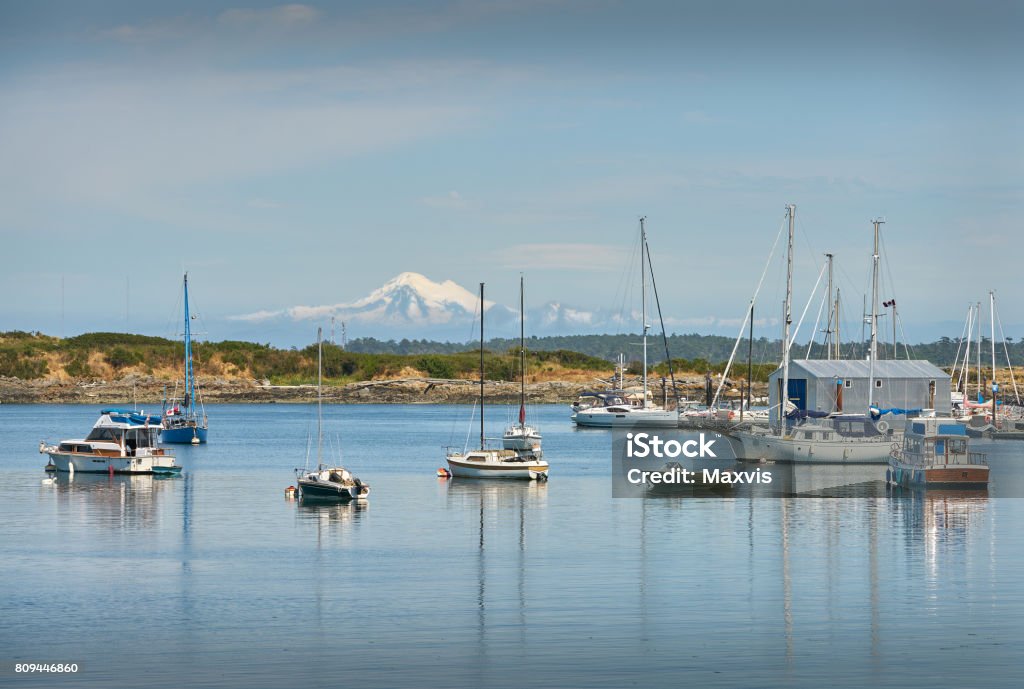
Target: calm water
214 579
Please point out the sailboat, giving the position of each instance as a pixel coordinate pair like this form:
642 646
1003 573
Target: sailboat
801 434
327 482
182 422
492 463
618 408
521 436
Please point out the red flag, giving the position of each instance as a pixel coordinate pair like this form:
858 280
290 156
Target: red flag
522 415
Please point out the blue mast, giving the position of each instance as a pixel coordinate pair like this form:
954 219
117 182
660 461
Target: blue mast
189 377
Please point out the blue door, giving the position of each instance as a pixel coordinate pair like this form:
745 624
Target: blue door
798 392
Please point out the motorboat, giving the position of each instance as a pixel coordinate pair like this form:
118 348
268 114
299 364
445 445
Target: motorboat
122 441
935 454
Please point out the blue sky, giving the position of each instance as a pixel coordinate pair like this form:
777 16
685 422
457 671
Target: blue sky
305 153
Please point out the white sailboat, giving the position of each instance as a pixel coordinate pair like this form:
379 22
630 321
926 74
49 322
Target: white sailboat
327 482
840 438
493 463
522 436
612 409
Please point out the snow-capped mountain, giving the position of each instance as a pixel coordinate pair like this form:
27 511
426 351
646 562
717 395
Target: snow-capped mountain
409 300
413 306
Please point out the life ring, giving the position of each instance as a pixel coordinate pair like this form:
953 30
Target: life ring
882 426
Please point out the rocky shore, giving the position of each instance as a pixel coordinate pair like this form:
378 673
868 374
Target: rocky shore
149 391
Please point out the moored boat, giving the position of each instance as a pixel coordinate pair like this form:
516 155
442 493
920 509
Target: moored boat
182 422
935 454
619 408
490 463
122 441
327 482
522 436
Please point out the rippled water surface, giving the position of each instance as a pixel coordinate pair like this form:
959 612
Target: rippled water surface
215 579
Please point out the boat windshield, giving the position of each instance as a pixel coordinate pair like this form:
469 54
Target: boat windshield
140 437
857 428
112 435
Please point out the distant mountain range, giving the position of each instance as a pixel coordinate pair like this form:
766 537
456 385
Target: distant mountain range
413 305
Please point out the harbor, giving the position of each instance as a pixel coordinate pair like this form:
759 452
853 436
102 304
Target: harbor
241 587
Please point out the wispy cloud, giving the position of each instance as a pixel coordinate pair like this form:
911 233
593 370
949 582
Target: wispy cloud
583 257
282 15
256 316
452 200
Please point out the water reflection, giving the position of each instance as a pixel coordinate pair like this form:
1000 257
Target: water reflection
939 523
328 516
505 511
117 501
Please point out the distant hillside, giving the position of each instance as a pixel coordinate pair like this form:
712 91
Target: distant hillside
710 348
111 356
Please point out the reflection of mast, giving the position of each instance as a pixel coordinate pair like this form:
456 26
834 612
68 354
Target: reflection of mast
787 585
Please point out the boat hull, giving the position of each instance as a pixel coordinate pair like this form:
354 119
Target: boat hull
93 464
751 446
322 490
601 418
529 470
182 435
941 476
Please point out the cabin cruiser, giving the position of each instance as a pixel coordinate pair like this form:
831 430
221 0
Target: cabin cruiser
615 408
122 441
935 454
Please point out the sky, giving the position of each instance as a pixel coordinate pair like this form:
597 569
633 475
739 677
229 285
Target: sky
304 154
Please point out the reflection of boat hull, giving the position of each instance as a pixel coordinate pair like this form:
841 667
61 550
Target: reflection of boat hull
183 435
97 464
623 417
493 464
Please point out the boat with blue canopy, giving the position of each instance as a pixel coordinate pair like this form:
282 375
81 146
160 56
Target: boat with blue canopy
122 441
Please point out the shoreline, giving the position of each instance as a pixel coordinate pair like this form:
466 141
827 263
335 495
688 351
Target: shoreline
146 390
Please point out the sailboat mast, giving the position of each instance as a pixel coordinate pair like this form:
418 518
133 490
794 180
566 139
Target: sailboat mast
992 340
319 397
750 360
838 334
828 328
873 349
189 382
787 318
481 366
643 301
522 353
978 307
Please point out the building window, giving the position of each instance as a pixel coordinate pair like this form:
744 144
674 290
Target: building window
878 383
847 383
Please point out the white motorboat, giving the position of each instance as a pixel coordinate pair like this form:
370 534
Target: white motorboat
122 441
614 408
